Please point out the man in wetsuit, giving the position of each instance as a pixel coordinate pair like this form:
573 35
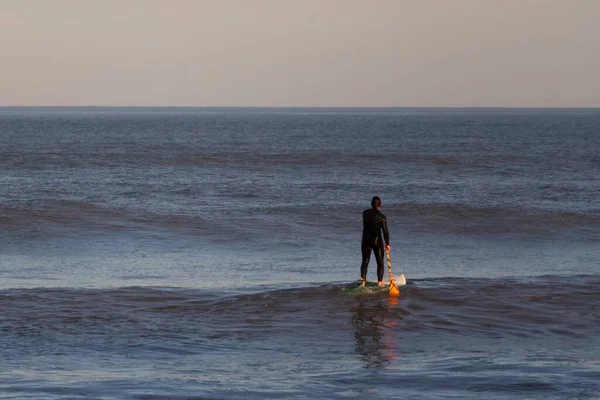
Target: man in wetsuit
374 222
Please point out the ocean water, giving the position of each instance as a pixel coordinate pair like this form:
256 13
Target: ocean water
182 253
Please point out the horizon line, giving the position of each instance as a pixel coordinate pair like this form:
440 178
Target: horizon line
308 107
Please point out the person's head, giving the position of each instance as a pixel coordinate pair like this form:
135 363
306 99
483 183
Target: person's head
376 202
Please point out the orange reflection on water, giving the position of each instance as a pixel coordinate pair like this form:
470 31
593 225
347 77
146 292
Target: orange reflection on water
393 299
376 327
390 343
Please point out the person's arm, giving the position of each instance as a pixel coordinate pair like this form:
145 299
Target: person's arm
386 233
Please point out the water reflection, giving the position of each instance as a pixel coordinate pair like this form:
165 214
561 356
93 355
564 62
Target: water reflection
375 330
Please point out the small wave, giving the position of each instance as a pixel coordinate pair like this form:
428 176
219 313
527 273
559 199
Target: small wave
55 212
457 218
199 160
509 307
55 218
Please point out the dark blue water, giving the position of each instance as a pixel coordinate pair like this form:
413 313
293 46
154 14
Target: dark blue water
204 253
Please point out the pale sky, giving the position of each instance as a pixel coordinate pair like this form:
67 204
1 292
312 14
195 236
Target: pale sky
513 53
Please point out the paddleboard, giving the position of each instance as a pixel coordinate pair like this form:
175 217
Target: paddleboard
372 287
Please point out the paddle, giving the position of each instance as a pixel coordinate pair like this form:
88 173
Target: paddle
393 289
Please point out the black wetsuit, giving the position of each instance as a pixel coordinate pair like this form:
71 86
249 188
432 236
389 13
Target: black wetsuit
374 222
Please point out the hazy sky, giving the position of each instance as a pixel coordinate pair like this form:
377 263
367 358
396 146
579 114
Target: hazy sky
300 52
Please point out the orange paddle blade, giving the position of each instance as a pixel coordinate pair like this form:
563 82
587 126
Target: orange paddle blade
393 289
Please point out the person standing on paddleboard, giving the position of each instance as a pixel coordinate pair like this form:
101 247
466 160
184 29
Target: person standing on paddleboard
374 223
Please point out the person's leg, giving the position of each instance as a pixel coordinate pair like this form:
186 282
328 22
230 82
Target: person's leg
364 266
378 251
